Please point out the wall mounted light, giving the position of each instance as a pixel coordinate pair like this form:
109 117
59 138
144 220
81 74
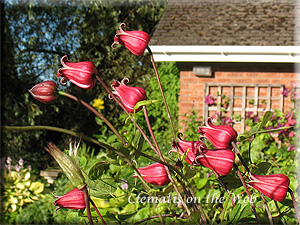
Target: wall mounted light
202 71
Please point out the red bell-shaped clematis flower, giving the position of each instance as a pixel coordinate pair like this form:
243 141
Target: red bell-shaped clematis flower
72 200
273 186
154 174
220 136
81 74
129 96
219 160
191 146
135 41
45 92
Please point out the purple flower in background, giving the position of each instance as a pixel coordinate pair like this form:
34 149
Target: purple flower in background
295 95
292 147
124 184
285 92
248 115
209 100
21 162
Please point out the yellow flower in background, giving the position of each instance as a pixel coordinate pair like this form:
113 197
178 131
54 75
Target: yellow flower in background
98 103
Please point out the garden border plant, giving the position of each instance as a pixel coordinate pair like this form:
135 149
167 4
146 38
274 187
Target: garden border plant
168 170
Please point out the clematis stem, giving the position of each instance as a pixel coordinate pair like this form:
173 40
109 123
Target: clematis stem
225 187
236 149
295 204
247 191
158 152
87 204
164 99
86 138
96 113
99 214
267 208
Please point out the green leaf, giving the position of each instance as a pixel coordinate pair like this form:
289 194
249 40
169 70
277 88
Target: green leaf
267 116
36 187
97 170
102 188
144 103
261 168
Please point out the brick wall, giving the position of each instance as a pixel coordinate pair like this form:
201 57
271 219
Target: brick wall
192 87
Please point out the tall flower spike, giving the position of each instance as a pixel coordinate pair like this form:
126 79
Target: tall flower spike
220 136
71 200
81 74
135 41
219 160
191 146
154 174
274 186
129 96
45 92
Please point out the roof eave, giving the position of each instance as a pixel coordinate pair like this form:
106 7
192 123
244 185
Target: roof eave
218 53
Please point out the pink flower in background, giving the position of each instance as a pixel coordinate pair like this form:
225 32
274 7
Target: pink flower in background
135 41
129 96
209 100
274 186
285 92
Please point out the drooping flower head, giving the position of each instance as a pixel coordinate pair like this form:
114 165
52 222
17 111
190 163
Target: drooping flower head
220 136
219 160
71 200
274 186
154 174
81 74
129 96
135 41
45 92
191 146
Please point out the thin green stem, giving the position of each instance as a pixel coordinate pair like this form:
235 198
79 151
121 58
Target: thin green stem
164 99
267 208
162 159
247 191
86 138
98 114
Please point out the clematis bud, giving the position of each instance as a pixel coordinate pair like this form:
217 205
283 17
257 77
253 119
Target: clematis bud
273 186
45 92
80 73
219 160
220 136
154 174
129 96
71 200
69 167
191 146
135 41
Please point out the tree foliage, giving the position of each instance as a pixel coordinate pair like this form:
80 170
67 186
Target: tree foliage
36 34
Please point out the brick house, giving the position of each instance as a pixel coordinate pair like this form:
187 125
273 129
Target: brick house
241 53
